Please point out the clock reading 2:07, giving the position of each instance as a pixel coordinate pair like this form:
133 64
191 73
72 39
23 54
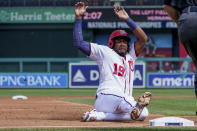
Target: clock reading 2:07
137 14
95 15
147 17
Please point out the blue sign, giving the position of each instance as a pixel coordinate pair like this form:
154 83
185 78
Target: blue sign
33 80
86 75
173 80
139 78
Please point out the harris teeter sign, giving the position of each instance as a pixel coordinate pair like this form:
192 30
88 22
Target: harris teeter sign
37 15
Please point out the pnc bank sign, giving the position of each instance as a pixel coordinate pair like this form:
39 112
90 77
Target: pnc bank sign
33 80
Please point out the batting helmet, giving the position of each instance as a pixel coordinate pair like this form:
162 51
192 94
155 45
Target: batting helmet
117 33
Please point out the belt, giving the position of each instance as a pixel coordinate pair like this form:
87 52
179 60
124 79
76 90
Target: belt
190 9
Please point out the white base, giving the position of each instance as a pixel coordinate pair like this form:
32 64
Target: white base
171 121
19 97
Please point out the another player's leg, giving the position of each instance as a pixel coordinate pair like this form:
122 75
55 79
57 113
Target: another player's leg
191 49
195 86
154 50
147 50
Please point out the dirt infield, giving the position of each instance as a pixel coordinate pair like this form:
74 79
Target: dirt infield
50 112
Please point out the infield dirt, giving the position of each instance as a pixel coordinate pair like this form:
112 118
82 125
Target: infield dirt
50 112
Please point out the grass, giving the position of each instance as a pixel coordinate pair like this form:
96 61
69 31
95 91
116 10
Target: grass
165 92
89 92
173 106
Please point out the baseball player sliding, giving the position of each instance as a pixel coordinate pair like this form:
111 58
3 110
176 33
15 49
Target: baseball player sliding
114 100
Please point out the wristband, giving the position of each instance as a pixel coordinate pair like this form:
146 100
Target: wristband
78 20
131 24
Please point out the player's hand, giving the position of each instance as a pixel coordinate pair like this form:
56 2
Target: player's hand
80 9
121 13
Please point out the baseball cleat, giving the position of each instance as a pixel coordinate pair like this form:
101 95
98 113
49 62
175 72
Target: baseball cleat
89 116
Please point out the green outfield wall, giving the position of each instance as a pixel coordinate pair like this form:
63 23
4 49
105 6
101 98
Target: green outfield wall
15 71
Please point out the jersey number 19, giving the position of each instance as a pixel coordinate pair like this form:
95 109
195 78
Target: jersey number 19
118 70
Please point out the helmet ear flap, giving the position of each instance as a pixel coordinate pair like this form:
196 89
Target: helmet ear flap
111 43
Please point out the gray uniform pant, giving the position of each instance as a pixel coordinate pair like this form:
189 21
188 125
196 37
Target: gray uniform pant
187 28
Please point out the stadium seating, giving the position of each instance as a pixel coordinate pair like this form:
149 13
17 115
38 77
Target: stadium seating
32 3
4 3
17 3
49 3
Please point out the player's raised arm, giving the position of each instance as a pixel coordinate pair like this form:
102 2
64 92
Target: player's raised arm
79 43
141 37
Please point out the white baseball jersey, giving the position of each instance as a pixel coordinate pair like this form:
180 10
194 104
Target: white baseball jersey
116 72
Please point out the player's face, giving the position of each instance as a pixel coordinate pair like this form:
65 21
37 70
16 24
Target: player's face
121 46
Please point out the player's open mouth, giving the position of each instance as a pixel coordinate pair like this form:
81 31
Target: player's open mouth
122 50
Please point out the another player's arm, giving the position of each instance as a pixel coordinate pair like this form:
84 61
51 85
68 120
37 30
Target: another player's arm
79 43
141 37
172 12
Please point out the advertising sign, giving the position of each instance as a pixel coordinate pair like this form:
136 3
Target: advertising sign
171 80
83 75
139 80
37 15
33 80
144 17
86 75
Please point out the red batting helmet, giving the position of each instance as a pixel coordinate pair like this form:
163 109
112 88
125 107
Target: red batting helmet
117 33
